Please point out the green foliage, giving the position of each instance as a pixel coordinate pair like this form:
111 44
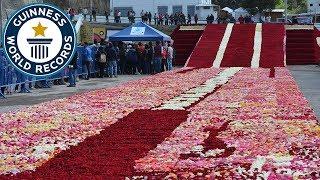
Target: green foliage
294 6
255 6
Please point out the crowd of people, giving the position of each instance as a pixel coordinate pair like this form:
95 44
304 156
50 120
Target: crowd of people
157 19
178 18
114 58
245 19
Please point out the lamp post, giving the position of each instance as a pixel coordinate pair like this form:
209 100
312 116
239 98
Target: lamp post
91 8
0 18
315 14
111 6
153 9
286 10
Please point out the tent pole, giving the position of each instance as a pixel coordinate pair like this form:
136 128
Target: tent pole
286 10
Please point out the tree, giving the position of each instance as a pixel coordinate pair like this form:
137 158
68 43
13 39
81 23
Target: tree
294 6
258 6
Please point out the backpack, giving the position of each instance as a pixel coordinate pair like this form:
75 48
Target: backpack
103 58
164 53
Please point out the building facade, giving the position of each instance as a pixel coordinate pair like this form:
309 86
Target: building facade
314 6
99 5
156 6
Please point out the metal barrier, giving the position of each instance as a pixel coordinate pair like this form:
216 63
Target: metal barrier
10 77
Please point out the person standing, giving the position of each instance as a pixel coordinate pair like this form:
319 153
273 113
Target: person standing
142 15
150 58
196 19
171 19
122 54
101 57
106 14
157 57
155 19
241 19
183 19
133 16
189 19
119 16
85 13
132 60
141 57
268 19
73 70
170 57
88 59
166 17
112 63
247 19
72 13
116 46
160 20
164 55
176 18
211 18
149 17
94 14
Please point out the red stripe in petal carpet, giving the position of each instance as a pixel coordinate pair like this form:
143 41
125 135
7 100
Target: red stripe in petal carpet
240 47
113 152
272 49
206 50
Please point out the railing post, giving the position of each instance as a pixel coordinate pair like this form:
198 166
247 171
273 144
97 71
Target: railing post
1 94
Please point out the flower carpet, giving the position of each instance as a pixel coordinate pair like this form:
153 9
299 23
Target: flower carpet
227 123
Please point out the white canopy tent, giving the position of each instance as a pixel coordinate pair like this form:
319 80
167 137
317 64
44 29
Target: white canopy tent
240 12
229 10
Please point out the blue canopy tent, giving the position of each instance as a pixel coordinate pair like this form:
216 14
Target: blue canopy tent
140 32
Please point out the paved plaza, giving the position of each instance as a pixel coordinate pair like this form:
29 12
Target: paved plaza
17 101
308 79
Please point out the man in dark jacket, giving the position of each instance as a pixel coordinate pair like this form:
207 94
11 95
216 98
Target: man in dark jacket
73 70
101 57
112 61
122 56
150 58
157 57
87 62
132 60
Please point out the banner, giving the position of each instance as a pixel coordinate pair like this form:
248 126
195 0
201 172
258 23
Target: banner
99 33
86 33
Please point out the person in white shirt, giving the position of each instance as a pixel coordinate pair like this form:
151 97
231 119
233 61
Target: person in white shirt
170 57
85 13
268 19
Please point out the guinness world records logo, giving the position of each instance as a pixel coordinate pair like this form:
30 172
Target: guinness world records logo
39 40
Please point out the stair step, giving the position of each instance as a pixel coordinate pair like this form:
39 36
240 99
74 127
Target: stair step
300 51
298 62
302 56
299 41
300 45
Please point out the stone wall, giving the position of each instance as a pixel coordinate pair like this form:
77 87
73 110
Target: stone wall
9 6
